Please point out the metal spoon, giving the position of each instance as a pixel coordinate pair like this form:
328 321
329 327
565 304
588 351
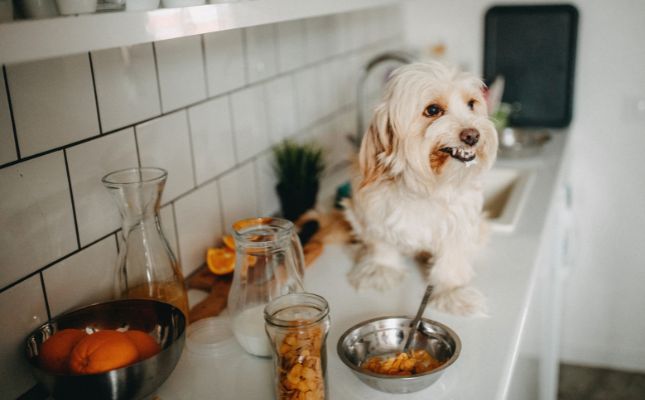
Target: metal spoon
414 325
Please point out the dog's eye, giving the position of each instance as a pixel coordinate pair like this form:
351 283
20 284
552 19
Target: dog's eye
432 110
471 104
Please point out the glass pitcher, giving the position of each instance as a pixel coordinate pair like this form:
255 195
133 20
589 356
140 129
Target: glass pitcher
146 266
268 263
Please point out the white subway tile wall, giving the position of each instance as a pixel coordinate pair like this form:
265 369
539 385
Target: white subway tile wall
211 132
268 203
307 95
199 224
53 102
24 305
164 142
239 195
249 122
180 64
280 100
96 212
36 216
207 108
291 45
93 269
261 57
126 85
225 68
321 38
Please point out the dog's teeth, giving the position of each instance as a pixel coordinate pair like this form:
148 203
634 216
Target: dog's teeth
453 151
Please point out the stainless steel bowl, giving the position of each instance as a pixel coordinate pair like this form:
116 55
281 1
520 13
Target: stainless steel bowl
385 337
165 322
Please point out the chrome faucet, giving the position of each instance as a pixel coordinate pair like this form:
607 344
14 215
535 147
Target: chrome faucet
399 56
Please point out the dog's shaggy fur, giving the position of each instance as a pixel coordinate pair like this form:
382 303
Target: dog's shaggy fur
420 193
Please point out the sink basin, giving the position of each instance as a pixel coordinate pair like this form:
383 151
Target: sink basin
505 192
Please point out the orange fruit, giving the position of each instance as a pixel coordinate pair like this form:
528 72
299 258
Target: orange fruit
102 351
220 261
146 344
229 242
55 351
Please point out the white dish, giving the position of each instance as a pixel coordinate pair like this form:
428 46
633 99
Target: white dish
141 5
71 7
182 3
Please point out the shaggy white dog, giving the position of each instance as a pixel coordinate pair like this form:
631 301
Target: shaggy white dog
420 193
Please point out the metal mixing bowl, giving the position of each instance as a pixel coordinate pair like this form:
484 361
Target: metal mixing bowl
166 323
385 337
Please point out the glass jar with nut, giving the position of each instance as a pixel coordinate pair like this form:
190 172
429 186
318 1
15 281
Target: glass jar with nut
297 325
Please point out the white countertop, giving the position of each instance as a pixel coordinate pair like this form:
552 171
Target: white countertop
506 274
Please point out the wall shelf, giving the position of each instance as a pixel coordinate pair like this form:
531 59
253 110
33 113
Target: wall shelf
27 40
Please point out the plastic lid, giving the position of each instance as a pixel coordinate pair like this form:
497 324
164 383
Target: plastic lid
210 336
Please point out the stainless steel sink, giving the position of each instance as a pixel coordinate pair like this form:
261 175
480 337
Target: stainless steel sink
505 192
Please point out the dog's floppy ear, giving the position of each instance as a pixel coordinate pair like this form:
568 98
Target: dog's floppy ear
378 142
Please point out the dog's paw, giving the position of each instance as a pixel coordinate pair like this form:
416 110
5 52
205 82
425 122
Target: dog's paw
372 275
463 300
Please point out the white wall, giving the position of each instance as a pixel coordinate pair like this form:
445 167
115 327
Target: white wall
207 108
604 315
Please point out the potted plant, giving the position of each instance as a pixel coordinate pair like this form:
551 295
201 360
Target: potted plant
298 169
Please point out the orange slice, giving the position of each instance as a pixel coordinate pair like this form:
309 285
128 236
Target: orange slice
220 261
229 242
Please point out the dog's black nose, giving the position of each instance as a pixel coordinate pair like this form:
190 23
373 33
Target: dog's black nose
469 136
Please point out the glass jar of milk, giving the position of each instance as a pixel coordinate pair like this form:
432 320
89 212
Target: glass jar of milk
268 263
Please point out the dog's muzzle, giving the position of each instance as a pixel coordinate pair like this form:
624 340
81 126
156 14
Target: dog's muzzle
466 153
460 153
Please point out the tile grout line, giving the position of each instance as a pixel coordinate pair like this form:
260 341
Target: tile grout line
156 59
71 195
56 261
96 95
136 145
245 56
42 286
228 93
191 149
13 119
116 240
205 65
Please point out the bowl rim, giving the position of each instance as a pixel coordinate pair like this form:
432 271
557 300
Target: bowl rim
357 369
33 362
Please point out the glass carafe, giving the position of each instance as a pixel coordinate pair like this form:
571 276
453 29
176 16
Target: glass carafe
268 264
146 267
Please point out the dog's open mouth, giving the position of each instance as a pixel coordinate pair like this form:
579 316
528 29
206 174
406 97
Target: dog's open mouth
460 153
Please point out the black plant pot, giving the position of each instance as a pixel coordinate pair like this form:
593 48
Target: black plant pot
295 200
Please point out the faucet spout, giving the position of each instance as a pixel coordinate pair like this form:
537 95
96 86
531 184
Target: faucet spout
401 57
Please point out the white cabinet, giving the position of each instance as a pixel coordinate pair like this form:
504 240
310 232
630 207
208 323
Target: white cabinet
535 376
